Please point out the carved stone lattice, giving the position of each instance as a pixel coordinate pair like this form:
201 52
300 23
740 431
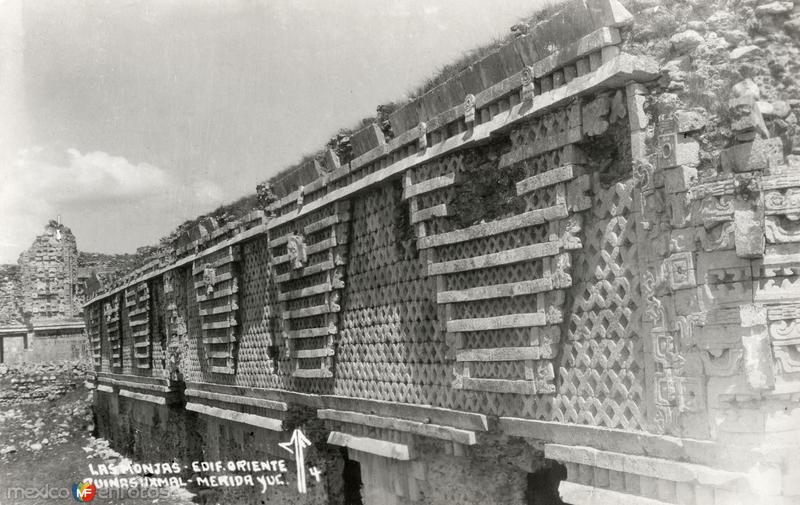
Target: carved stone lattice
309 257
601 374
499 287
111 312
390 347
137 301
95 332
176 330
216 283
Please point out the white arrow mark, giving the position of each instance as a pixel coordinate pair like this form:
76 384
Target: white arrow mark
297 445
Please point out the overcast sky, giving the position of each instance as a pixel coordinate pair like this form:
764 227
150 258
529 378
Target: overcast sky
127 117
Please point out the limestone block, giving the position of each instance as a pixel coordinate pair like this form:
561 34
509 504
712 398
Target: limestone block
721 390
689 301
674 149
791 477
704 494
582 66
782 417
682 240
577 189
679 210
717 337
760 154
722 266
499 65
684 493
686 41
749 233
679 179
774 8
528 49
331 161
407 117
366 139
717 237
441 98
747 116
680 271
758 360
609 13
738 420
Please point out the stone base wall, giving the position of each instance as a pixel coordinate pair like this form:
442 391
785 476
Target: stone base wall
503 470
24 347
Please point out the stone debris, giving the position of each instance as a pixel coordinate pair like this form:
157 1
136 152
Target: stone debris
745 51
686 41
40 381
774 8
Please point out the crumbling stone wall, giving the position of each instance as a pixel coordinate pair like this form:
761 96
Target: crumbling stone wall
10 309
48 274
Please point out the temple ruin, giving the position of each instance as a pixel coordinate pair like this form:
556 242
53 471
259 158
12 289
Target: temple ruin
569 272
41 299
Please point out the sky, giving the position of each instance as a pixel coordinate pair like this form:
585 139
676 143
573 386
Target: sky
127 117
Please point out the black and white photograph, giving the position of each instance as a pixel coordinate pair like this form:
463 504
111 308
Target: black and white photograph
400 252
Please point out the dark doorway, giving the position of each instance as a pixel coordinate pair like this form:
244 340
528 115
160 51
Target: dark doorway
543 484
352 480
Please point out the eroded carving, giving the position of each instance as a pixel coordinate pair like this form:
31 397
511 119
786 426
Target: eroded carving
296 249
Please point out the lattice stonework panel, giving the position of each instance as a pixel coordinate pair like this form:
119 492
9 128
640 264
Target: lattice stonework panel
389 346
111 313
309 257
94 329
137 301
500 284
216 283
601 373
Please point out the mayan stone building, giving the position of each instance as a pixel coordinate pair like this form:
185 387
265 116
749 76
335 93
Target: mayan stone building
49 274
41 300
572 269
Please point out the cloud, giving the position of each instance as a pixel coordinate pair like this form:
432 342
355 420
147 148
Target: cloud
110 203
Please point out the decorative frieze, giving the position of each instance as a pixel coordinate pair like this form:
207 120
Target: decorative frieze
138 301
113 322
216 284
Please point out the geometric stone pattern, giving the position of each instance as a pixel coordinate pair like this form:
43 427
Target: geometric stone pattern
390 348
137 302
216 284
263 358
111 313
308 259
602 365
94 329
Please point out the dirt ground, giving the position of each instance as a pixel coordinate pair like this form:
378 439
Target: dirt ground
46 446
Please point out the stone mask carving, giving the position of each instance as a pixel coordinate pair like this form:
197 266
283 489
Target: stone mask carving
296 248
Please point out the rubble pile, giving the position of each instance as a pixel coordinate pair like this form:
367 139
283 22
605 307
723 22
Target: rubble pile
39 381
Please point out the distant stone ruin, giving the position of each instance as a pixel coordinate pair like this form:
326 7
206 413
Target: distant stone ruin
42 297
571 272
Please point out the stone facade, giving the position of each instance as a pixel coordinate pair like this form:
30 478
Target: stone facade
562 274
48 275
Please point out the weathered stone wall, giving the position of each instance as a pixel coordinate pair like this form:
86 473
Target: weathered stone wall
48 275
580 250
